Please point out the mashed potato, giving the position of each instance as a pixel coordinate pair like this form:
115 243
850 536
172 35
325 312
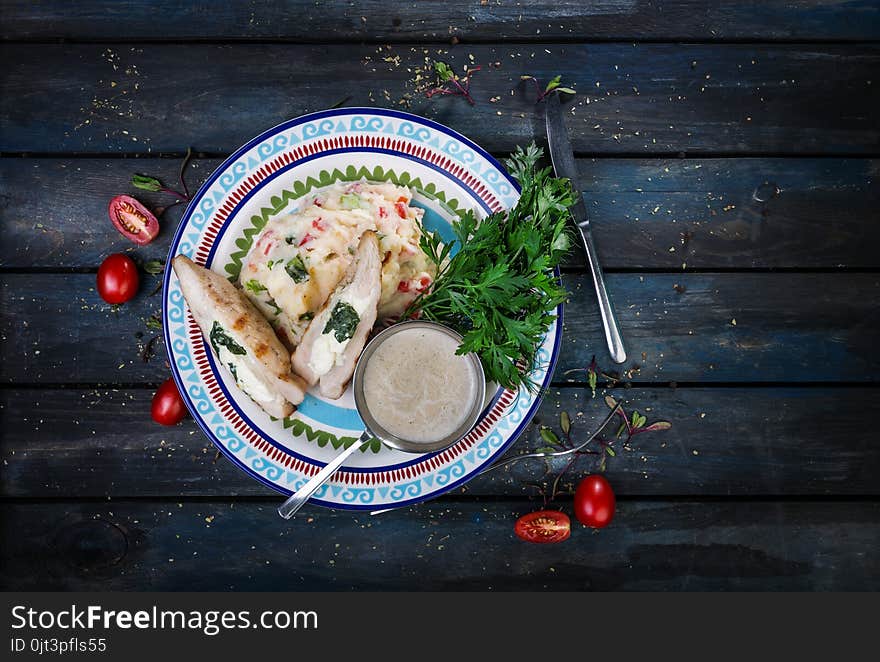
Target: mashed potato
299 257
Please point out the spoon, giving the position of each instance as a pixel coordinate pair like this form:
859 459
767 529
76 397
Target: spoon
375 430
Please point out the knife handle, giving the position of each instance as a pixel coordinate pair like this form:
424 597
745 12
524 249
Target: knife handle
609 321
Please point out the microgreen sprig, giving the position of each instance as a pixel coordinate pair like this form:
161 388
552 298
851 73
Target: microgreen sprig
450 83
603 449
555 85
147 183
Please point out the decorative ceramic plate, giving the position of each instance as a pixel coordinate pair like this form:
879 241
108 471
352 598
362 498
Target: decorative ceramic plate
448 174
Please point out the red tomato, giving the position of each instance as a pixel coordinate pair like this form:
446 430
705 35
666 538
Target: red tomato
133 220
118 278
400 207
168 407
594 502
543 526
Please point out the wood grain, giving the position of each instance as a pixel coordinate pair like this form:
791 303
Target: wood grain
462 546
734 213
741 327
768 441
643 98
372 20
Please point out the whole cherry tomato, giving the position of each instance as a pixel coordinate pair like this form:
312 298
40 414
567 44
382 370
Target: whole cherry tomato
543 526
594 502
118 278
133 220
168 407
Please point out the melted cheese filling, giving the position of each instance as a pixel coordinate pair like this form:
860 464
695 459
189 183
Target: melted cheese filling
246 379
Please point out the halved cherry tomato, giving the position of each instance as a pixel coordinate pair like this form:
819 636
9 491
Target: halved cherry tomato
118 278
168 407
543 526
133 220
594 502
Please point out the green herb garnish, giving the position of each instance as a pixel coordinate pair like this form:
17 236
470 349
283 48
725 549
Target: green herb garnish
305 317
297 270
219 338
255 286
233 370
154 267
146 183
343 321
499 290
154 322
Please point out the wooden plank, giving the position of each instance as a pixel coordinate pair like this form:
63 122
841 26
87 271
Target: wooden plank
644 98
464 546
736 213
754 327
723 441
463 19
54 211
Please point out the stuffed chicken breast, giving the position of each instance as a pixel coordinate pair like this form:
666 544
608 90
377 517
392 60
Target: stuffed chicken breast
300 257
334 339
241 338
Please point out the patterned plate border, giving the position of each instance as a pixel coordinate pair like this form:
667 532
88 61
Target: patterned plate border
294 142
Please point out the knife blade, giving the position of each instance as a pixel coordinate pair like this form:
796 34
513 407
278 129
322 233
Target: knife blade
562 156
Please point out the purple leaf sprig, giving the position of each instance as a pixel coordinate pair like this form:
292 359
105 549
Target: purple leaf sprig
604 447
155 185
592 372
555 85
450 83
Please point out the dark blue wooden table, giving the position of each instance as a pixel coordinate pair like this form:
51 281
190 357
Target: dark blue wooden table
728 153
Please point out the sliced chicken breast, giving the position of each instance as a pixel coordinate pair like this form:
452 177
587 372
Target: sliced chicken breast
242 339
333 342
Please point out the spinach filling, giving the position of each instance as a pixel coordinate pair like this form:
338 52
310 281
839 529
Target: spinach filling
343 321
297 270
219 338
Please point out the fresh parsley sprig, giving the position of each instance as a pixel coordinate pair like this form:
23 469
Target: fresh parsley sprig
499 289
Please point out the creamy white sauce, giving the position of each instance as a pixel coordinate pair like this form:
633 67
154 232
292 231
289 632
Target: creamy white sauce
417 388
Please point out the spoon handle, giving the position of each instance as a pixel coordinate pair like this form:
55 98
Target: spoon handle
298 499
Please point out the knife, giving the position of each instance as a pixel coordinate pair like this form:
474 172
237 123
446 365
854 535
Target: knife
563 164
